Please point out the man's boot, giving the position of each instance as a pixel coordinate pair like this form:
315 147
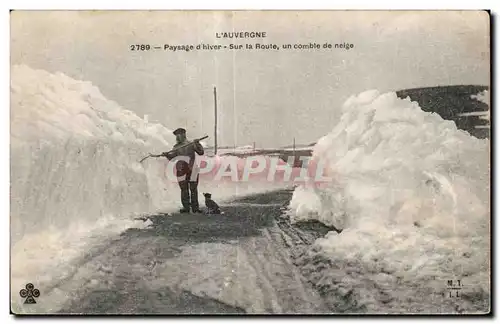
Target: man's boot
185 199
193 188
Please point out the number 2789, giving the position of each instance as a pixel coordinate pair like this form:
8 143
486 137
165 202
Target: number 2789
140 47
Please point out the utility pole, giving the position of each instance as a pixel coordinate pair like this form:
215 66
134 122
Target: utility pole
215 123
294 145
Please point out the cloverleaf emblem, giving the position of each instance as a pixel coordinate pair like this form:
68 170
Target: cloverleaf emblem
30 293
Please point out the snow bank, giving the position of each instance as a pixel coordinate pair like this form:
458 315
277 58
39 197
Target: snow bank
74 172
74 153
53 108
411 193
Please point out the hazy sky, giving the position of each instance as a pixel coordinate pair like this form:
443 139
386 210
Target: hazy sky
264 96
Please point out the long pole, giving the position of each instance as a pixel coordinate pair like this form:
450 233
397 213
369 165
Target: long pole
215 123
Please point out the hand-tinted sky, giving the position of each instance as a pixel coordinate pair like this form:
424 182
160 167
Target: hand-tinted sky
264 96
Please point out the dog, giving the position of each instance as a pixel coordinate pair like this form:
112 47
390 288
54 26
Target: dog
212 207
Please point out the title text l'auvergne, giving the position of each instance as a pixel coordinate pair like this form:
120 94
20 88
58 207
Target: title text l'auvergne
252 34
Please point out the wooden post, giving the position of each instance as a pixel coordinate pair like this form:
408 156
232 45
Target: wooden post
215 123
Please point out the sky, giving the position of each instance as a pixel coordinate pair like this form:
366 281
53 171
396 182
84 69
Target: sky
266 97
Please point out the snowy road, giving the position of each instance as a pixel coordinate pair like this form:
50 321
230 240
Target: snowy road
231 263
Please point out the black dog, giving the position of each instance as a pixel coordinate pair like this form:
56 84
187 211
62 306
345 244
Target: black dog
212 207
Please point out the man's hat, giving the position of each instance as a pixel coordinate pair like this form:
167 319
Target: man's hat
179 131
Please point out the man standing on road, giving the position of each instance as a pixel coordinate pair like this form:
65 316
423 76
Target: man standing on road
188 183
184 170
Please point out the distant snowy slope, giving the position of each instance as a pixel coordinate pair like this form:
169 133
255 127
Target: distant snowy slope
458 103
484 115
